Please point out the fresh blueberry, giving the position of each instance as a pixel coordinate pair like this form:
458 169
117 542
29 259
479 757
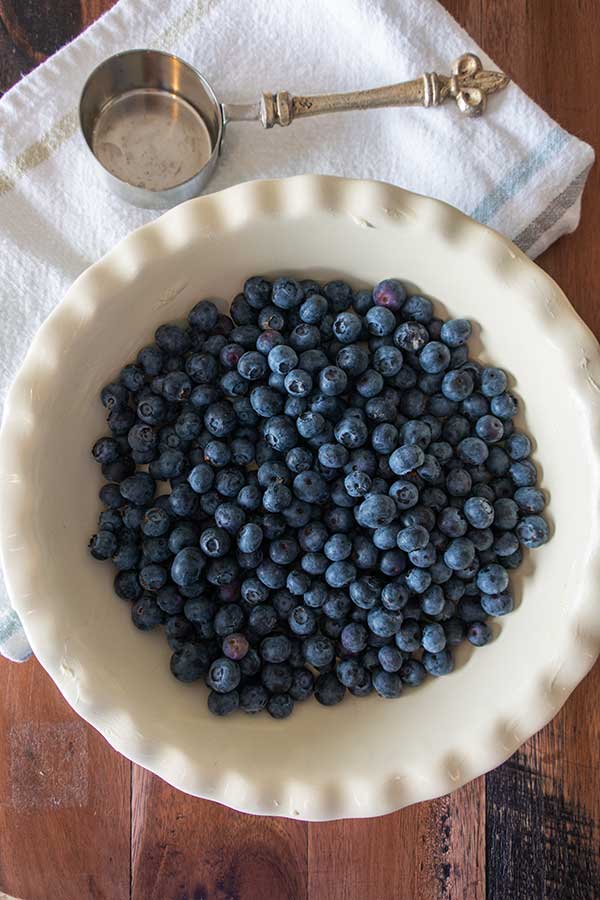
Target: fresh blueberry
479 634
438 663
533 531
329 690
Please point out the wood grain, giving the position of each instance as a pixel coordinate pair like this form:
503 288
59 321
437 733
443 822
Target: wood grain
189 849
432 850
64 797
527 831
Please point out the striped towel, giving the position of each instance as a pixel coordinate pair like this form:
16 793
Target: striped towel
514 169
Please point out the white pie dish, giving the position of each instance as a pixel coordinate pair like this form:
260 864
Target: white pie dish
363 757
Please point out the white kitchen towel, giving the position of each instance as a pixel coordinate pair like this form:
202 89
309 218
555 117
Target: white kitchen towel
514 168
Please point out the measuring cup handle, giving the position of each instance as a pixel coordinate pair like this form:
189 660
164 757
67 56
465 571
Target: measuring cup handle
469 85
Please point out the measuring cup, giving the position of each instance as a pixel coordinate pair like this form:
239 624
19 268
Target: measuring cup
155 126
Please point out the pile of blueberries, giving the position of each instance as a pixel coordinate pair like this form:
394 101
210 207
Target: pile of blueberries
319 493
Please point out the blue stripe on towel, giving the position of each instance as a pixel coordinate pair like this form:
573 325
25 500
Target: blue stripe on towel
520 174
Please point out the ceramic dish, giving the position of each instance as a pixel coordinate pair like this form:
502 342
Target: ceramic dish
364 757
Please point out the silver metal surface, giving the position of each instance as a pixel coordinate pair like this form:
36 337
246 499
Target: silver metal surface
155 126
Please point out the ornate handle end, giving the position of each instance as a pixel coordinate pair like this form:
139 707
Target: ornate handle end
470 84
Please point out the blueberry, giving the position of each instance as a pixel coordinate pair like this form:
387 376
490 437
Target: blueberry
479 634
497 604
224 675
406 459
412 672
332 381
151 359
110 520
533 531
457 385
201 478
340 574
455 332
319 651
506 514
257 291
492 579
223 704
347 327
383 622
253 698
387 684
146 614
389 293
183 501
106 450
220 419
114 396
490 429
103 545
280 706
328 690
245 336
190 662
203 395
187 566
380 321
474 406
411 336
438 663
287 293
418 580
530 499
376 510
432 602
138 488
203 315
460 554
390 658
404 493
339 294
313 309
518 446
353 359
418 309
349 672
412 538
156 522
280 433
254 591
473 451
351 432
434 357
176 387
277 677
284 551
152 577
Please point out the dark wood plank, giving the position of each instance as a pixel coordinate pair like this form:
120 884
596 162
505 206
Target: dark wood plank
32 31
40 27
432 850
64 797
543 809
189 849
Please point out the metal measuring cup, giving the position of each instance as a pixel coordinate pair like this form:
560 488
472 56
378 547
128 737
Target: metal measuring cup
155 127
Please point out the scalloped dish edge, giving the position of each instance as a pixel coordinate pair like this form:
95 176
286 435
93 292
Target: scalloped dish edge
554 684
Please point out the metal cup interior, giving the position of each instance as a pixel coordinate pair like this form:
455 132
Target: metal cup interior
153 124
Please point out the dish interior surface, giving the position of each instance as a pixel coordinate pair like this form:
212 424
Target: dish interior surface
363 757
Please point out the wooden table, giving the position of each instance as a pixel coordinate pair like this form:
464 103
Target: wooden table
78 822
